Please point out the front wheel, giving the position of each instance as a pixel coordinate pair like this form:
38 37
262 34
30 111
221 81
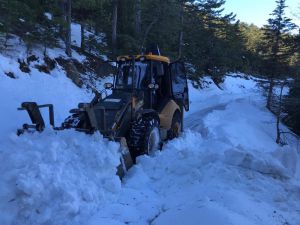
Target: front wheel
152 141
144 137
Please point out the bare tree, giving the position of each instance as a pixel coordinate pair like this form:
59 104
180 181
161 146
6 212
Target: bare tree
82 29
180 42
68 17
137 20
278 114
114 27
154 21
270 92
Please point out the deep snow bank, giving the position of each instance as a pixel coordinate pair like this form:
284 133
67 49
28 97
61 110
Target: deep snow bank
54 178
198 180
225 169
50 178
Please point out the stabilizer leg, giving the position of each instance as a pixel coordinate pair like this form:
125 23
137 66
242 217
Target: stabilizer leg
33 110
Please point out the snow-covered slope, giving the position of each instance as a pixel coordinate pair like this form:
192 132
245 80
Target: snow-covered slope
35 86
225 169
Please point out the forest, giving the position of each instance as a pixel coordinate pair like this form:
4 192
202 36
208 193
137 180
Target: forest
199 32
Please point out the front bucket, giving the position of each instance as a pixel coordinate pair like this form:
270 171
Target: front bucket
126 161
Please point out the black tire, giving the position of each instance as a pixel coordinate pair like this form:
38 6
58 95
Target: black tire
71 121
144 136
176 126
77 121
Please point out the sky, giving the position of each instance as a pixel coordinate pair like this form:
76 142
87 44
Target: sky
258 11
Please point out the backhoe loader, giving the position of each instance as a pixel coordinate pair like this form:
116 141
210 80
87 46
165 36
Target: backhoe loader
145 108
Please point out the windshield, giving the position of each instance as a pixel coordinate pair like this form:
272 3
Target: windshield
127 78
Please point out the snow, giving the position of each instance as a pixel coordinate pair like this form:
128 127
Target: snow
88 35
196 180
35 86
224 169
76 34
48 15
44 177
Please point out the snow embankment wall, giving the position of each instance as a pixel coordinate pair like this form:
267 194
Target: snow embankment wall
52 177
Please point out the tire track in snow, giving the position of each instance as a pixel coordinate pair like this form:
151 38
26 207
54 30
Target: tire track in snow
195 121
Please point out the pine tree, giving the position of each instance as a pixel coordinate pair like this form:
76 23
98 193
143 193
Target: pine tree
278 26
8 14
214 45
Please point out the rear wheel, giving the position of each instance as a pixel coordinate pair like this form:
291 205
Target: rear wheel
144 137
176 126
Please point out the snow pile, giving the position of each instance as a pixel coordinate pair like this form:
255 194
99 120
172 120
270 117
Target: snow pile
52 177
197 180
55 178
225 169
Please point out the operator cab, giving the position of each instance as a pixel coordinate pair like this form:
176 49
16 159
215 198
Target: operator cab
148 76
131 76
154 77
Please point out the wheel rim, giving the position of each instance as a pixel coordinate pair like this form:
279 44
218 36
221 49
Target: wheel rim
153 141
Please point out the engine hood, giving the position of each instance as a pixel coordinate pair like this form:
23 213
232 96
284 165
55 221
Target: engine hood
115 101
113 106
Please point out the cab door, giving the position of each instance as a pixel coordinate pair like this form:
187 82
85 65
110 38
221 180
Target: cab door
179 84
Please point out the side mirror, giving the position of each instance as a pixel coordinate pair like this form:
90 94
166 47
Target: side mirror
108 85
153 86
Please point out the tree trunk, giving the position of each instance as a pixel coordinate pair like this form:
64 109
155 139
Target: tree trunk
68 17
114 27
82 44
61 5
270 93
155 20
278 138
137 21
6 41
274 70
180 43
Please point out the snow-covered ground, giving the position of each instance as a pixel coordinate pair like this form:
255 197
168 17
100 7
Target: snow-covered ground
50 178
225 169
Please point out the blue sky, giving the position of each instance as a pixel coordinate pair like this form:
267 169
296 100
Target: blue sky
257 11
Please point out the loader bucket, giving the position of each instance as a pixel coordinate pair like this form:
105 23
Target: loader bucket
126 161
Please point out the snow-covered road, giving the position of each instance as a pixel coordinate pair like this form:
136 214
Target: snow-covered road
225 169
195 121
